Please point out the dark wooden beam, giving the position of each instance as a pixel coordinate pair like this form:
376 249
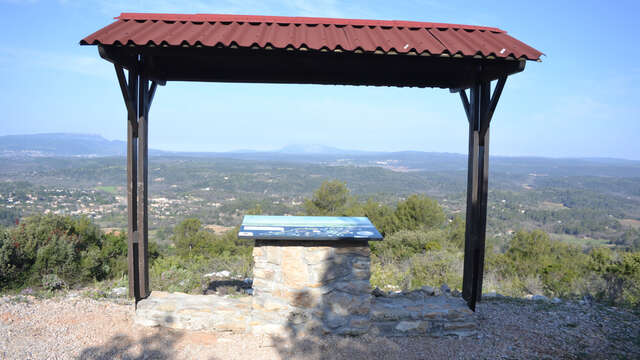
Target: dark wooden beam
472 199
124 87
309 67
132 191
152 93
496 97
465 104
137 96
480 111
142 185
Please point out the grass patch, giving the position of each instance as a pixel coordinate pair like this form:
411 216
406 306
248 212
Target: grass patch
579 241
108 189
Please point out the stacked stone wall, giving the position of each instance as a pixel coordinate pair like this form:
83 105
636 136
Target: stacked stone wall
312 286
421 312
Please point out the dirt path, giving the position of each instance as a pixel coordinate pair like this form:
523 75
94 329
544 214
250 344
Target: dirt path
75 327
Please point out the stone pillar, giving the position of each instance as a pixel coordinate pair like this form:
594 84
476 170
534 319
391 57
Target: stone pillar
304 286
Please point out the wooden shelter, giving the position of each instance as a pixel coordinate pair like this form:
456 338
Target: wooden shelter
159 48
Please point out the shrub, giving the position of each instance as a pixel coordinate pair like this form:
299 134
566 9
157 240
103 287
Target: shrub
390 275
533 255
52 282
435 268
56 255
619 274
331 199
72 248
418 212
191 239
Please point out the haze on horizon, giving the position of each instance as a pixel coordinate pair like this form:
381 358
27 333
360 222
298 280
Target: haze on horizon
581 101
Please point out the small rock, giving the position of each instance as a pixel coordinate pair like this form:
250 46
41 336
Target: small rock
528 296
333 320
456 293
405 326
428 290
539 298
378 293
119 291
445 289
220 274
556 300
490 295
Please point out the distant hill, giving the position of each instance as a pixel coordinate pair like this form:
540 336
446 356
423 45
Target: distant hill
48 145
82 145
316 149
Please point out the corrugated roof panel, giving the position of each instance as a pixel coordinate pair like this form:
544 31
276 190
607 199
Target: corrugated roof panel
313 33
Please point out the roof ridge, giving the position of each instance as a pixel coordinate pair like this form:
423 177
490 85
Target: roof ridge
297 20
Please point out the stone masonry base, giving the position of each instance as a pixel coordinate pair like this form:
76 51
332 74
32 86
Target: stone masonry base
404 314
312 288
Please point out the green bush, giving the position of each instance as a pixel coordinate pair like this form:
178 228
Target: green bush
533 255
406 243
191 239
619 276
74 249
389 275
176 273
52 282
57 255
436 268
418 212
331 199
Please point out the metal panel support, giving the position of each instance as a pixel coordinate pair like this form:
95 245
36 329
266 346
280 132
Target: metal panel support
479 110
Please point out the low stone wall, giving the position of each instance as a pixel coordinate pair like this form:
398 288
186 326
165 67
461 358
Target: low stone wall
315 287
312 288
396 314
194 312
421 312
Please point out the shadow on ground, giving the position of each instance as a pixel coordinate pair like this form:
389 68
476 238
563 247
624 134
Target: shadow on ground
317 343
156 343
159 345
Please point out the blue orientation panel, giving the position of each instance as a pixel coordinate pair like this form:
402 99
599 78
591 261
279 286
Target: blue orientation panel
307 228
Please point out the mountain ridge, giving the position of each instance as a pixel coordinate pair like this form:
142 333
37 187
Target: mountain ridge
93 145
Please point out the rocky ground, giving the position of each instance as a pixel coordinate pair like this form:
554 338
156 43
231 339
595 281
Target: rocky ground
77 327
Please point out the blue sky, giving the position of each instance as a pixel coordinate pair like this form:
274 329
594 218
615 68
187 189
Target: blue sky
583 100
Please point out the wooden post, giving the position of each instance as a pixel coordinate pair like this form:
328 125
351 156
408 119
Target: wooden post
471 231
132 193
143 183
479 112
137 97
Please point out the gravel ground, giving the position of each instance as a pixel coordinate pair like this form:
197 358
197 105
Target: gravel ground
76 327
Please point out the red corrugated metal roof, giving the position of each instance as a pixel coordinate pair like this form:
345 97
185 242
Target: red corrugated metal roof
310 33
